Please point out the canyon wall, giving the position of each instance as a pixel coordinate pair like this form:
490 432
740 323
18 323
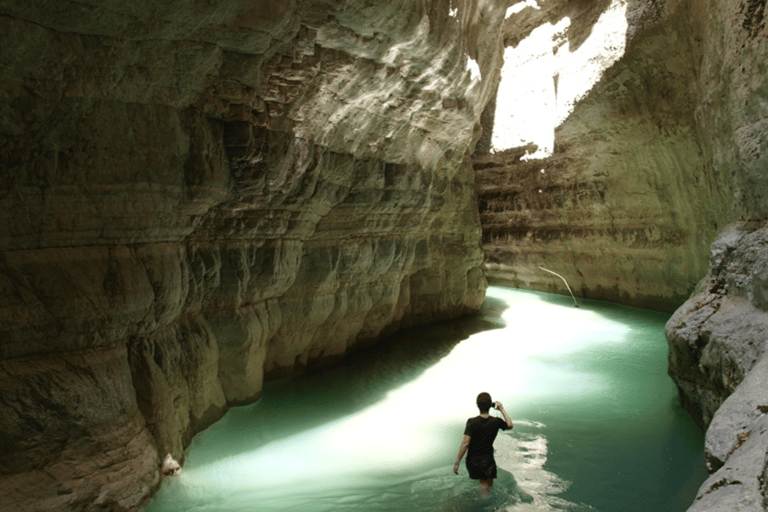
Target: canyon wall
625 207
719 361
718 337
198 196
657 178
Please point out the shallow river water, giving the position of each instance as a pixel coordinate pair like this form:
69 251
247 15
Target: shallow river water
597 423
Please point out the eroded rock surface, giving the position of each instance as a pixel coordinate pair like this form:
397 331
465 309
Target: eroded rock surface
623 208
718 358
666 151
659 156
198 196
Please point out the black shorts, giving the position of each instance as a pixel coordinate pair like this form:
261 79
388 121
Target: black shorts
481 467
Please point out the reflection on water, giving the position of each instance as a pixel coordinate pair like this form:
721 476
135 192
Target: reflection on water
597 425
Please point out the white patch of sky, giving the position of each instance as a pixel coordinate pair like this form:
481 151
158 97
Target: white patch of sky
529 107
474 69
454 12
519 6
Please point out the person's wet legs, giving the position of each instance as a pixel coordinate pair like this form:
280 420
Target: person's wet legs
485 487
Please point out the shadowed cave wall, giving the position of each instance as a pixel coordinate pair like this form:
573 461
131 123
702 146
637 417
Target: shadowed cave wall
198 196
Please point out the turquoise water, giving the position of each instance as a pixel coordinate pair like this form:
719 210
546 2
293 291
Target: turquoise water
597 422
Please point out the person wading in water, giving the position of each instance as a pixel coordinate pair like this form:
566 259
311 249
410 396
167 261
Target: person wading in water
479 435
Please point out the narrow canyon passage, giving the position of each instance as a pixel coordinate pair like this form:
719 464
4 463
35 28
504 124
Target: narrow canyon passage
598 425
200 197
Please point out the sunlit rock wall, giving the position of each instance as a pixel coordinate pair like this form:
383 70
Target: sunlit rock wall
666 154
198 196
626 204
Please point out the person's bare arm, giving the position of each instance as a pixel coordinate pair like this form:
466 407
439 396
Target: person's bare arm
462 451
503 412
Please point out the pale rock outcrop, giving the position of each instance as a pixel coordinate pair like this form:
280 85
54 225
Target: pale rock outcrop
718 358
198 196
170 466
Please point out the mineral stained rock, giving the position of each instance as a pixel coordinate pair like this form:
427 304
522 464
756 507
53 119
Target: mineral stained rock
196 196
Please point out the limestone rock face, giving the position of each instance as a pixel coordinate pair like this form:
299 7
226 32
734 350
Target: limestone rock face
718 359
198 196
718 338
663 152
664 155
623 208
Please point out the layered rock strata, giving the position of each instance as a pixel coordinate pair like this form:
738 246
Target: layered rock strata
665 152
198 196
626 206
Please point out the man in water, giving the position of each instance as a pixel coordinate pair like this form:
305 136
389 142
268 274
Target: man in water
479 435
